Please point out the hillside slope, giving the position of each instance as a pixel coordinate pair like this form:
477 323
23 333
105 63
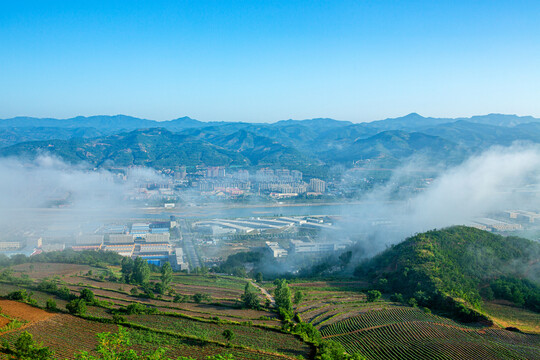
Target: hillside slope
452 269
156 148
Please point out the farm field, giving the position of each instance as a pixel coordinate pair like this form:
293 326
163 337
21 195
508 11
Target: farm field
45 270
114 292
410 333
387 330
328 302
338 309
506 315
68 335
274 341
184 328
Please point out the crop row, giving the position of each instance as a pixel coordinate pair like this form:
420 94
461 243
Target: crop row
425 340
382 317
244 335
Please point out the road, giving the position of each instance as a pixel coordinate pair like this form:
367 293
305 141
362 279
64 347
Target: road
265 293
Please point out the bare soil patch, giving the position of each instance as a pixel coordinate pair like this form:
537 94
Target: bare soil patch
3 321
24 312
43 270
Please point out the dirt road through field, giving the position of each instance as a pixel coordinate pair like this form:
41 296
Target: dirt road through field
265 293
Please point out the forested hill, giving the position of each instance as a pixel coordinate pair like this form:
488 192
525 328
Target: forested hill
297 144
462 264
160 148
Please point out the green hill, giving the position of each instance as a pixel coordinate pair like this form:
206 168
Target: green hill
454 269
156 148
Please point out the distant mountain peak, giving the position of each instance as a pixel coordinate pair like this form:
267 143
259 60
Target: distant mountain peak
414 115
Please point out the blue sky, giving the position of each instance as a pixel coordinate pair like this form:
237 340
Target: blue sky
269 60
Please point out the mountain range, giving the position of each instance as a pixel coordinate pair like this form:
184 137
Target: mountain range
123 140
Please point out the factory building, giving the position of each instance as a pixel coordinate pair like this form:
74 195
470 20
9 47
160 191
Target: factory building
86 247
299 247
124 250
115 229
159 230
529 216
158 238
496 225
275 249
156 254
53 247
139 230
215 230
89 239
155 248
120 239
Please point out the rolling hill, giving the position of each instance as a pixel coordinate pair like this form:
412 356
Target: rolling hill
297 144
152 147
451 270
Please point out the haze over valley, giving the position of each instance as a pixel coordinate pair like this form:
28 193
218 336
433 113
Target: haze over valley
269 180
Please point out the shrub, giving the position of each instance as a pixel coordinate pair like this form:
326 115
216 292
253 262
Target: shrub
76 307
50 305
373 295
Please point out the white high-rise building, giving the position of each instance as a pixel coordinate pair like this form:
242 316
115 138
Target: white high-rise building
317 185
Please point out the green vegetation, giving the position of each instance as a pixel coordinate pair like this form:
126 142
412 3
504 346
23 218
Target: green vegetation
76 307
250 299
166 276
88 257
135 271
26 349
236 263
298 297
200 297
373 295
521 292
228 335
51 305
282 295
87 296
333 319
445 269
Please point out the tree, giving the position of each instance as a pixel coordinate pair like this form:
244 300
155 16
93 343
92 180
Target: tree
259 277
199 297
373 295
76 307
127 269
298 297
27 349
50 305
141 271
228 335
249 298
331 350
19 295
282 295
88 296
166 275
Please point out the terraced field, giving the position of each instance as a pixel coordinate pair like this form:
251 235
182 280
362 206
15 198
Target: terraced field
274 341
107 291
326 303
378 330
44 270
68 335
409 333
196 329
